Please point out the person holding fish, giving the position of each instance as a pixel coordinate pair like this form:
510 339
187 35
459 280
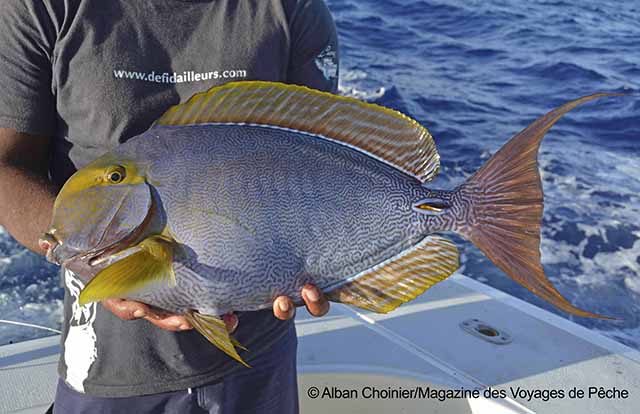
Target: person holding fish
234 199
79 78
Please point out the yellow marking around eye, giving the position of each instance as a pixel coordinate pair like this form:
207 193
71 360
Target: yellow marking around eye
96 173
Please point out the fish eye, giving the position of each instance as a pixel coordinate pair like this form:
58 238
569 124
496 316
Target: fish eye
116 175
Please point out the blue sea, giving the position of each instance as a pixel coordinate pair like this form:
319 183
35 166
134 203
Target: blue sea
475 73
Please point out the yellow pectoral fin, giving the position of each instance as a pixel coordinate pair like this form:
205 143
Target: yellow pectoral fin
214 329
149 267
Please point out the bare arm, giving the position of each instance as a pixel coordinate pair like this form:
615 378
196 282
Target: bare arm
26 194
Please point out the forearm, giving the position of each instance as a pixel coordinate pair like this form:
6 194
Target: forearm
26 203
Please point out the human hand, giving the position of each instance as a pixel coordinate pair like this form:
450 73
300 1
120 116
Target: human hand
130 309
314 300
283 308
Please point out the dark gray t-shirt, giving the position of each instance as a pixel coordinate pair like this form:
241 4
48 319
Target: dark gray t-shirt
91 74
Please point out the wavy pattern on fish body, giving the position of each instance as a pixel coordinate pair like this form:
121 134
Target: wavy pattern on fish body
265 210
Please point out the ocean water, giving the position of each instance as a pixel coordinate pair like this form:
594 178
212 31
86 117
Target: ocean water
475 73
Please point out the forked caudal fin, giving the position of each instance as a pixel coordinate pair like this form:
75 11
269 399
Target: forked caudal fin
500 209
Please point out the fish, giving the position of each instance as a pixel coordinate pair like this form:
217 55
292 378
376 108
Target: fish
252 189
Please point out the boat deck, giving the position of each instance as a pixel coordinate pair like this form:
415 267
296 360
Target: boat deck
422 344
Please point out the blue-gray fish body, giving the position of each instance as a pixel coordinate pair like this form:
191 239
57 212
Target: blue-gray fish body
250 190
261 211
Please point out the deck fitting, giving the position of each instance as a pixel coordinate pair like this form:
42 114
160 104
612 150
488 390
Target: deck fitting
485 331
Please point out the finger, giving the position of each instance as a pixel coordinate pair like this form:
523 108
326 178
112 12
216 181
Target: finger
317 304
171 322
283 308
158 313
231 321
126 309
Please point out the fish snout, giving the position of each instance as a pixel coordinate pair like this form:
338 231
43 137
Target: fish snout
48 242
56 251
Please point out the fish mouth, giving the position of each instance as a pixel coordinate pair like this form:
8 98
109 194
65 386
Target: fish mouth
58 250
51 245
99 257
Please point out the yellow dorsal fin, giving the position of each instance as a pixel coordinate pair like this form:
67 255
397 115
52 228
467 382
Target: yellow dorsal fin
402 278
379 131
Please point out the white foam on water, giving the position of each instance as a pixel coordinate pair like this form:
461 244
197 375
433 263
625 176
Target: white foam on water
29 292
357 84
591 235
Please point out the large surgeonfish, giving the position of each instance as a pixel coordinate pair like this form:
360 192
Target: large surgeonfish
252 189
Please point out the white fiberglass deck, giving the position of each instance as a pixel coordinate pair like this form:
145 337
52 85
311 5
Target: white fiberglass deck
352 354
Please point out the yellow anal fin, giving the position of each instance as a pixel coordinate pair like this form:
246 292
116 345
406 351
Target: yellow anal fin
237 344
402 278
150 266
214 329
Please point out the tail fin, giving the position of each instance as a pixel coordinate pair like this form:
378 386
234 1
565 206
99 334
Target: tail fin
506 202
